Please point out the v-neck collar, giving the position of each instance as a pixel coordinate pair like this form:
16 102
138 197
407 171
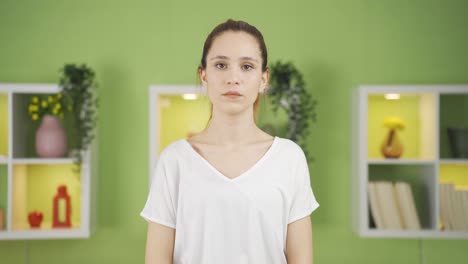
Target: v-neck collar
256 164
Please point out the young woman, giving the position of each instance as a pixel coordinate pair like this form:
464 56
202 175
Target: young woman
231 194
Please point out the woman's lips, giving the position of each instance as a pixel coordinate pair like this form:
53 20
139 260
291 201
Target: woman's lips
232 94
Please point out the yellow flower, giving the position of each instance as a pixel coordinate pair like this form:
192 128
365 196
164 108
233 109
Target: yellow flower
58 106
32 108
44 104
35 116
394 123
50 99
35 99
55 111
59 96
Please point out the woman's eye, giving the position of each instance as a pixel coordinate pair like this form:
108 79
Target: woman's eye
247 67
220 65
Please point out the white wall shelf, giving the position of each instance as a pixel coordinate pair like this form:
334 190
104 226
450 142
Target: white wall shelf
21 170
426 158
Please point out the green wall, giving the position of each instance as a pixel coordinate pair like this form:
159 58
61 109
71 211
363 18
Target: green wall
132 44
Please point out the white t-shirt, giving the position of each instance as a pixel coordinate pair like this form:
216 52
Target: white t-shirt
223 220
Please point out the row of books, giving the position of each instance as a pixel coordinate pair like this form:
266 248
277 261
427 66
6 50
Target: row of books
392 205
453 206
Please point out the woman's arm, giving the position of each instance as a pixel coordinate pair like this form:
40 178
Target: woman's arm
159 244
299 242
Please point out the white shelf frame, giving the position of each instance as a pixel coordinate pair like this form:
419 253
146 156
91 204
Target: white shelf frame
361 162
425 233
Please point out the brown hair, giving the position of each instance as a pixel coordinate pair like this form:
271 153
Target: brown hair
236 26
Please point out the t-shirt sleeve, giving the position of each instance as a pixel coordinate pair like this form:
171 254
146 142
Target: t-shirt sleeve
303 199
159 205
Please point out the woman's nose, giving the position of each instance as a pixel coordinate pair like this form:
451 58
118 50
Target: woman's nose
232 77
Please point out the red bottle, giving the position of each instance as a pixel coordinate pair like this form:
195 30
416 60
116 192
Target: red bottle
62 208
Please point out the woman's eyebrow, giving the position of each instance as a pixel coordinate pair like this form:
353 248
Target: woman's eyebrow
220 57
227 58
248 58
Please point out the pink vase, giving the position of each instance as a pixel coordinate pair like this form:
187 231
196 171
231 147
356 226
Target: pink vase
51 139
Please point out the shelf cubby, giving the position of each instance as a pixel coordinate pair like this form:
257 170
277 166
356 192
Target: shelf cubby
453 114
24 128
417 111
453 189
420 178
34 187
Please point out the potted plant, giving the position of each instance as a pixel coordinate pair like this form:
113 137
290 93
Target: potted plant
287 90
50 138
78 87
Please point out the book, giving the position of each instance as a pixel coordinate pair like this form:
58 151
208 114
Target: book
374 205
465 203
455 209
409 214
445 209
462 192
388 205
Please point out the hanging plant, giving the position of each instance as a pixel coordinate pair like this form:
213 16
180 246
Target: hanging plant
287 90
79 89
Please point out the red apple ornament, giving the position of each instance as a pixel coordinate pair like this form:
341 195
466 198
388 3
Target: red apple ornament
35 219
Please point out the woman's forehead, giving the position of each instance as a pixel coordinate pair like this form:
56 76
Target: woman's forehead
234 45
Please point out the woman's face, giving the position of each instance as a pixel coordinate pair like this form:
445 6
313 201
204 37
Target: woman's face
234 63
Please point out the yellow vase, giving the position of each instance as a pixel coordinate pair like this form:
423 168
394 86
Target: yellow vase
391 146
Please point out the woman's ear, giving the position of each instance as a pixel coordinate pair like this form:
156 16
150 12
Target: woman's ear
265 79
202 75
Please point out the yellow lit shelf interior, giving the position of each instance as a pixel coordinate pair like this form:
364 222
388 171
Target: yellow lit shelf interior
417 111
34 188
179 118
3 126
454 173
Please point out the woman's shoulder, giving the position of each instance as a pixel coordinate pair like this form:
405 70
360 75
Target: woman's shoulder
290 146
172 150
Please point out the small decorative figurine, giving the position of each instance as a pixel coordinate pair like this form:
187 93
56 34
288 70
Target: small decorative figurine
62 208
392 147
35 219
